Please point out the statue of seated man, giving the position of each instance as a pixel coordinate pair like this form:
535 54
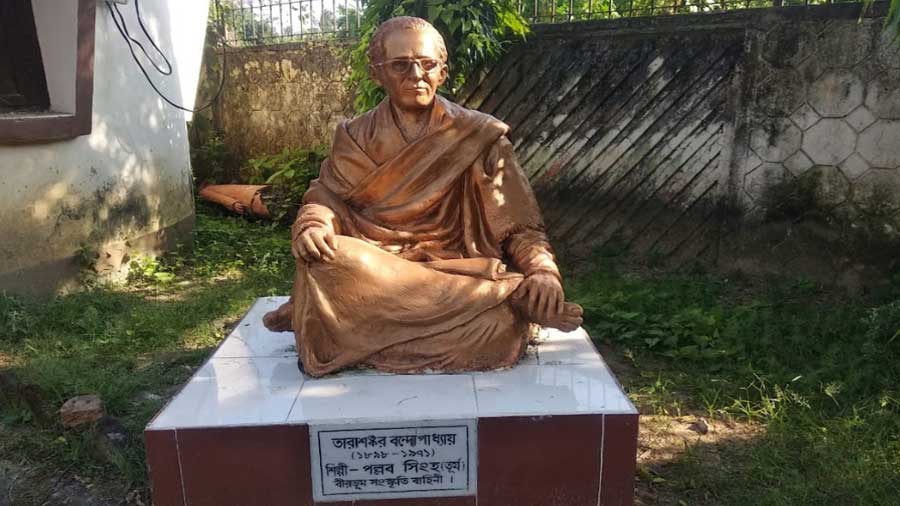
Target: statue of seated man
420 246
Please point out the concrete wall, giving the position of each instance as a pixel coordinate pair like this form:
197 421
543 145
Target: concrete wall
766 140
623 129
278 96
817 166
127 185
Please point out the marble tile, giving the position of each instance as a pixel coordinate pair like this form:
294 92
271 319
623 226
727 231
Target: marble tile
251 339
566 348
534 390
376 398
234 391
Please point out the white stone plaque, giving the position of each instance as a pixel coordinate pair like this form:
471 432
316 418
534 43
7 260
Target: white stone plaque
389 461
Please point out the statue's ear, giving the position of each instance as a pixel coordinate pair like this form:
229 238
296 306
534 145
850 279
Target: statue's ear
445 73
375 75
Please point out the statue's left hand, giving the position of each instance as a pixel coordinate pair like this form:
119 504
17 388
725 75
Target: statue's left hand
544 294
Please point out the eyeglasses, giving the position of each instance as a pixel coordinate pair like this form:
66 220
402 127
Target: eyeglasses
404 65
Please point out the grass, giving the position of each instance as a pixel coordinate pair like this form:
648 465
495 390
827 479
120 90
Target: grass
132 343
815 374
816 371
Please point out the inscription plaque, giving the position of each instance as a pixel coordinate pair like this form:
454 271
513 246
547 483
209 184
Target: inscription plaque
385 461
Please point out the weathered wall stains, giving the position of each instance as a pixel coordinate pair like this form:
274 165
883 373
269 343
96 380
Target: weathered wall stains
818 148
624 138
123 190
764 139
278 96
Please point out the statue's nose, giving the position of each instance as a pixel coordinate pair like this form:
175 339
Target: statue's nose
417 70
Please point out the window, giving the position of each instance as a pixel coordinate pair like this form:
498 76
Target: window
23 86
46 69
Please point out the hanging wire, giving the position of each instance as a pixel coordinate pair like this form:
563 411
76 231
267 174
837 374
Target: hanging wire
131 42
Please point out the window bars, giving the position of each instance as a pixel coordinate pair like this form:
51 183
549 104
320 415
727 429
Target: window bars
256 22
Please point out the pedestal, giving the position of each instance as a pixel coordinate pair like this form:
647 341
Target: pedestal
248 429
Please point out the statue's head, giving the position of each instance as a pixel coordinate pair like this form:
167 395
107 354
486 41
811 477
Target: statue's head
408 58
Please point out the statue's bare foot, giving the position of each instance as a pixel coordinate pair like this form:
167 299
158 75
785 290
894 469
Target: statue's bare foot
568 320
280 319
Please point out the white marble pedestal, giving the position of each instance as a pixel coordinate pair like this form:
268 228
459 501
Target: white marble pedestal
249 429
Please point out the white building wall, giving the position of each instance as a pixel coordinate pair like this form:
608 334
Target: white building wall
126 185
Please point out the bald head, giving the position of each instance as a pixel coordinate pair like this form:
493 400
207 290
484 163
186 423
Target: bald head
376 45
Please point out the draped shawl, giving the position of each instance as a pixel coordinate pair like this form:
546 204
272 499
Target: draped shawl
419 281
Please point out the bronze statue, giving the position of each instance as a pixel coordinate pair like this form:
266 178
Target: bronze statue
403 241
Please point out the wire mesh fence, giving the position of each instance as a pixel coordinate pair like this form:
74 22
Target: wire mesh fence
256 22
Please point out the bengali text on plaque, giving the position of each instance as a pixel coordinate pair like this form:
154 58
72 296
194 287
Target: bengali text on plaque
398 461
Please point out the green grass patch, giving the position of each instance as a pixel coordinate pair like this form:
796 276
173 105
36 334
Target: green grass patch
816 371
125 342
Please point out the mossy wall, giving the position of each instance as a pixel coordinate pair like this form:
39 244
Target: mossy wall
276 96
817 162
766 139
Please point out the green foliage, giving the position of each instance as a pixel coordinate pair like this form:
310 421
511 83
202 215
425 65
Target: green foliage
891 21
474 31
227 246
15 320
893 18
293 167
836 349
289 173
210 161
816 371
150 269
250 23
121 342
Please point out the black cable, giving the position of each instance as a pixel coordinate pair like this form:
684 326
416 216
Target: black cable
137 10
123 30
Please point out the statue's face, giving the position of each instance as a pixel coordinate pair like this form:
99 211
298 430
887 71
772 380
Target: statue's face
412 70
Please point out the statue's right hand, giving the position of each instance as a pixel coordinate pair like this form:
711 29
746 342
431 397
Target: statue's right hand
314 244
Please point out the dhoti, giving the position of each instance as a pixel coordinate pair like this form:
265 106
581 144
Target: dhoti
371 307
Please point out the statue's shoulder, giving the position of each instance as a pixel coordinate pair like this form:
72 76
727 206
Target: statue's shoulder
462 113
356 125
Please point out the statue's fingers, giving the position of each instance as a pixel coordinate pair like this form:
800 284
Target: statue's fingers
532 301
299 252
310 247
520 292
323 247
544 304
560 302
329 238
553 304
